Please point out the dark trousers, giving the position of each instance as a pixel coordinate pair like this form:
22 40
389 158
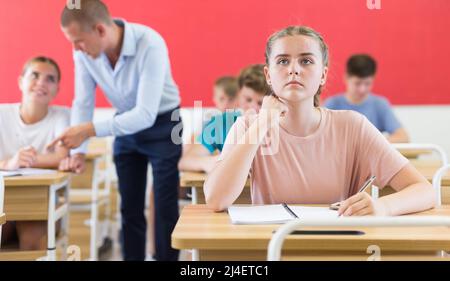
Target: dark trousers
131 156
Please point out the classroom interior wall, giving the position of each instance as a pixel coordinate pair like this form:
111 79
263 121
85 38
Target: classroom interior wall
425 124
211 38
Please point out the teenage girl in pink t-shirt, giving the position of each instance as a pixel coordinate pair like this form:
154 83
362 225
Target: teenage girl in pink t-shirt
297 152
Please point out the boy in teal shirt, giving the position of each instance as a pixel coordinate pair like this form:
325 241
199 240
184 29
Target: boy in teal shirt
252 89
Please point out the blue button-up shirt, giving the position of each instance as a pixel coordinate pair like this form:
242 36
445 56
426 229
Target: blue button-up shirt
140 86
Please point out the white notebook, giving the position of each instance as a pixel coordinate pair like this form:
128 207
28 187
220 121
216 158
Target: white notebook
276 214
27 172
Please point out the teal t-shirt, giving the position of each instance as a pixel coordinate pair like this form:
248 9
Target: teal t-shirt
215 131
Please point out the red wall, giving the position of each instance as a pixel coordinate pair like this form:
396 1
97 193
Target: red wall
210 38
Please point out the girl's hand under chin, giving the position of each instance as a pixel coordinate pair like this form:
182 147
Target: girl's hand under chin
273 108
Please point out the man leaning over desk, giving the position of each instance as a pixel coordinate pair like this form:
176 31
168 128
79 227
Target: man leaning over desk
130 63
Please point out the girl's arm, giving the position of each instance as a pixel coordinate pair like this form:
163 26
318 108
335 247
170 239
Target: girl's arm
227 179
414 194
51 160
197 158
378 157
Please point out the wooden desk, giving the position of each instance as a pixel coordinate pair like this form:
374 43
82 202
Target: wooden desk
427 169
29 198
36 180
2 222
413 153
85 180
92 155
217 239
2 219
90 201
192 179
195 181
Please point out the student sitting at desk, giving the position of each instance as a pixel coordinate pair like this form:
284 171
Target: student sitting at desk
225 93
224 98
361 70
252 89
26 129
299 153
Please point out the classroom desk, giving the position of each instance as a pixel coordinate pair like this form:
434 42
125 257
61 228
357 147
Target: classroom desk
94 159
89 192
215 238
2 222
428 168
30 198
188 179
413 153
195 181
2 219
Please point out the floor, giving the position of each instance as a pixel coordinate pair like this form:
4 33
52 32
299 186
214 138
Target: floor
114 252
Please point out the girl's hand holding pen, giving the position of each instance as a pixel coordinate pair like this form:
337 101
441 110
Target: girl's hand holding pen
362 204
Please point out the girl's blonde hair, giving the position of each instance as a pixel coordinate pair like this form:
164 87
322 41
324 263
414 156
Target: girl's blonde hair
300 30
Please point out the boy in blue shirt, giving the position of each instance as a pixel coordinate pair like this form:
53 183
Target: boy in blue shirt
359 79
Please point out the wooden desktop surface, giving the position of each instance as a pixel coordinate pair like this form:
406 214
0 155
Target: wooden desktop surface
215 237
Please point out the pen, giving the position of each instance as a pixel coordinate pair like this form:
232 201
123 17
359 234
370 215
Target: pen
289 210
366 184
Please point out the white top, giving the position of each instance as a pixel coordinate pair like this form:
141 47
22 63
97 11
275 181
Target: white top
15 134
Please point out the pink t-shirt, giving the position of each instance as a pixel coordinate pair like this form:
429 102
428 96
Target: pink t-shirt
328 166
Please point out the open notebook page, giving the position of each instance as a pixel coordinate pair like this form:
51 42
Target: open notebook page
275 214
313 212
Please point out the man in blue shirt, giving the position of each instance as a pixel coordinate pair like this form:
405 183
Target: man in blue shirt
361 70
130 63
